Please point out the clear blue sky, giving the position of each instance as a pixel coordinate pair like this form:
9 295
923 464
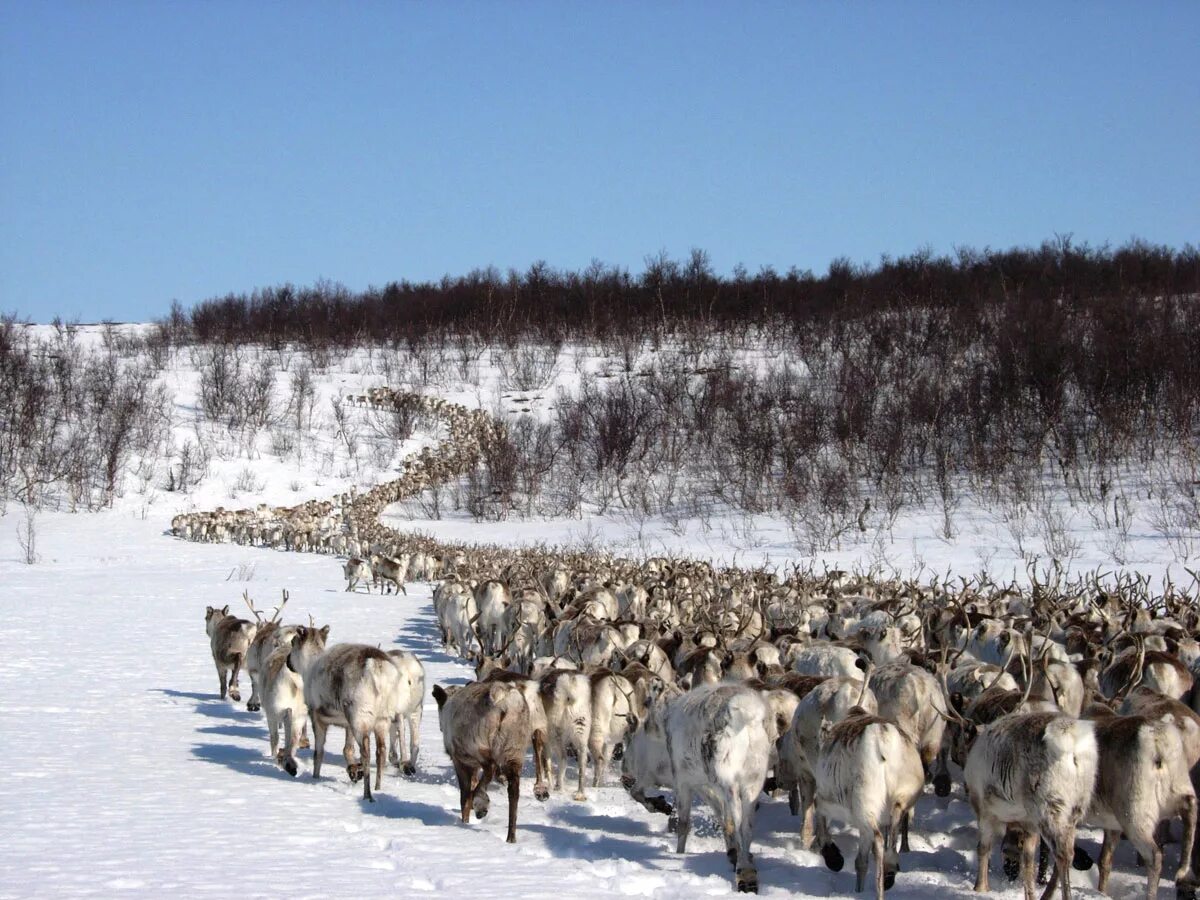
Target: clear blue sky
160 150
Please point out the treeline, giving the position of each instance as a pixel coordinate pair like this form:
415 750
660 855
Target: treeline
603 301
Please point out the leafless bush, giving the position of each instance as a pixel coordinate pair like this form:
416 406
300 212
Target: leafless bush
247 482
527 367
27 535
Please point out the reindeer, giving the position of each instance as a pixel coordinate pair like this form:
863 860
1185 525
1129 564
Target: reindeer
355 686
614 705
1142 780
283 704
567 699
823 706
492 599
268 638
718 745
485 730
1035 771
229 637
357 570
390 570
408 711
869 774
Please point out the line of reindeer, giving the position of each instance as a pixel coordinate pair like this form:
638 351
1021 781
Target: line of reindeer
1068 704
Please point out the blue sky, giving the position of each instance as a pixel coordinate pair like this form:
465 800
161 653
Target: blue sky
152 151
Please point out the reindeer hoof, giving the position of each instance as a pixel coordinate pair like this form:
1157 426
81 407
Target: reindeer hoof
304 743
747 881
251 706
235 695
580 797
1082 860
833 857
889 879
942 784
289 766
481 813
1185 889
355 772
541 792
771 785
409 769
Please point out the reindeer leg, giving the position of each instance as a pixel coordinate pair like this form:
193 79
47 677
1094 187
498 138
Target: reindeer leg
318 729
480 801
877 852
1029 847
596 749
466 777
396 741
988 829
364 744
381 738
1107 850
513 774
581 758
744 869
414 742
235 693
862 860
254 704
221 676
541 790
1152 854
273 735
683 812
1188 814
289 743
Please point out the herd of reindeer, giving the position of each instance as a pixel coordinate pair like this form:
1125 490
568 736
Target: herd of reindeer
1067 703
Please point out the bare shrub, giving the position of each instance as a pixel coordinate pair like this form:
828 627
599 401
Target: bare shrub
27 535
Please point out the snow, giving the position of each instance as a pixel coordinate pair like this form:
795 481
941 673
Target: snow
127 776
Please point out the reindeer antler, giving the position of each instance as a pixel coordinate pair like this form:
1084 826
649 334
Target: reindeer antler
279 609
250 603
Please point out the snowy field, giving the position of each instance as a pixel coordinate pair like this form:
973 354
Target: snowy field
126 774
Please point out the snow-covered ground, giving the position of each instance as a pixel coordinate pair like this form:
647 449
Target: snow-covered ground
126 774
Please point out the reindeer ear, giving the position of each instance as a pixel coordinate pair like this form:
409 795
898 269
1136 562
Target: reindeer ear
208 612
324 632
440 695
287 661
301 632
225 610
